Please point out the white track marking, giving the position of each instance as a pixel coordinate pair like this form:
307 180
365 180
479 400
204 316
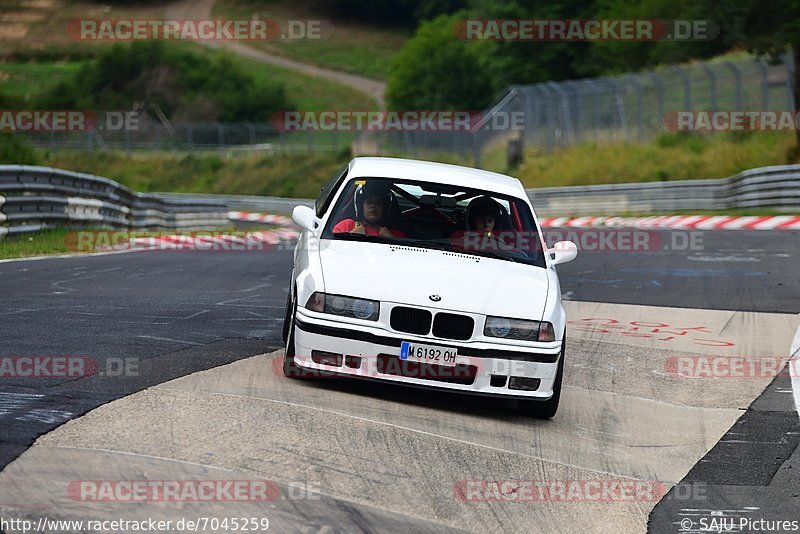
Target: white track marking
414 430
794 368
60 256
170 339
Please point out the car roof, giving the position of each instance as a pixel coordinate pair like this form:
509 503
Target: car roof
428 171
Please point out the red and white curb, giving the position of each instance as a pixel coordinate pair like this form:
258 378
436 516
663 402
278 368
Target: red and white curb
699 222
267 218
248 241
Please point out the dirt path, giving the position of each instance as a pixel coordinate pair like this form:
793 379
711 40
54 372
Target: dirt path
201 9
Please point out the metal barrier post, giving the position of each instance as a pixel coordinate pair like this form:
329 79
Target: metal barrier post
764 82
737 74
713 88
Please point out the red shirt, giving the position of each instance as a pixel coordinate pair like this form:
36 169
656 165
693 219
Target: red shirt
348 225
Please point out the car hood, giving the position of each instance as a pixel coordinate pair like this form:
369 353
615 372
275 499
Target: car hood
410 275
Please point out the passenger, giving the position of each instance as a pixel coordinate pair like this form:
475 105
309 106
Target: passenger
373 202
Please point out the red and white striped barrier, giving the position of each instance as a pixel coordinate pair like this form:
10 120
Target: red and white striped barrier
699 222
267 218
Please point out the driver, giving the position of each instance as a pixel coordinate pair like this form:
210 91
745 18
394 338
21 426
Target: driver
372 202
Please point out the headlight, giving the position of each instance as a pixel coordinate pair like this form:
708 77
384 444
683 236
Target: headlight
345 306
519 329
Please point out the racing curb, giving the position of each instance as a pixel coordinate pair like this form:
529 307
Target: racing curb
699 222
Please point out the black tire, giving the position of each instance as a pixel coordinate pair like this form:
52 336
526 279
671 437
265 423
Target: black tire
546 409
286 317
290 368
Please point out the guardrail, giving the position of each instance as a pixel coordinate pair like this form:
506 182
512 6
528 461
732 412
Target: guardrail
33 198
257 204
775 188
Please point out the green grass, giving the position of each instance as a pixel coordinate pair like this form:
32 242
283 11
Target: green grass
22 80
39 244
346 45
47 55
284 175
669 157
69 241
25 79
45 26
308 92
305 92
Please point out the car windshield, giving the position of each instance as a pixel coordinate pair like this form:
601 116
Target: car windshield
436 216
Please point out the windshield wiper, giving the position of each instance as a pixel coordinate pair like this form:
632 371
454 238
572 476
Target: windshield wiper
402 241
347 236
494 255
423 243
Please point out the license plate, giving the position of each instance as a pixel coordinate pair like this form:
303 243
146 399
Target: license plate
428 354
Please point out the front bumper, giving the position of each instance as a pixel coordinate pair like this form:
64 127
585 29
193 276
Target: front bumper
333 346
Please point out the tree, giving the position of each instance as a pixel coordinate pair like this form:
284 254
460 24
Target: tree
436 70
768 30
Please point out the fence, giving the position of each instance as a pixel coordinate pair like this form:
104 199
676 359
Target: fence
154 135
612 108
555 114
33 198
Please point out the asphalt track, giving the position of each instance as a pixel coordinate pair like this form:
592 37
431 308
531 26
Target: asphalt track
384 457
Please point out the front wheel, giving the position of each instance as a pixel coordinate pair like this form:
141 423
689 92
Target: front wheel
546 409
290 368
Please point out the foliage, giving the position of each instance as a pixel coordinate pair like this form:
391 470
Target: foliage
15 152
396 12
437 71
180 83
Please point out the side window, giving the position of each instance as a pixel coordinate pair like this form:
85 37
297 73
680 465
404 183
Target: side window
323 201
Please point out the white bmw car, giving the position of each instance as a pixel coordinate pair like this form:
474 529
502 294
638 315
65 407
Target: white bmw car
430 275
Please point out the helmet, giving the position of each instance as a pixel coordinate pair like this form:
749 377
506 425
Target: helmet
483 205
373 188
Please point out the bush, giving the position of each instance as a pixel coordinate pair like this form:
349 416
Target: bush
436 70
14 152
182 84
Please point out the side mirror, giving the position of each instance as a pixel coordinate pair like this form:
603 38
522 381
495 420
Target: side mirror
562 252
306 219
